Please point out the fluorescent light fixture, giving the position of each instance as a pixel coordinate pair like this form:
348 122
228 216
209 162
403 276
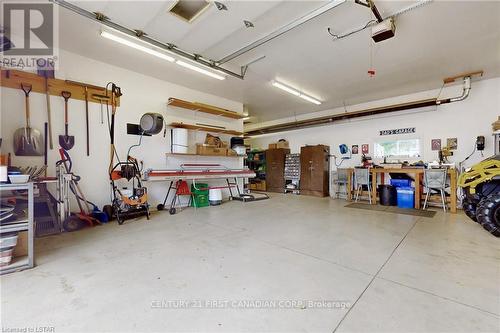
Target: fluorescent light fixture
285 88
136 46
199 70
310 99
245 118
295 92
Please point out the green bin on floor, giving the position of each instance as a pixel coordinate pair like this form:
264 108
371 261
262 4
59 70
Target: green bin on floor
200 195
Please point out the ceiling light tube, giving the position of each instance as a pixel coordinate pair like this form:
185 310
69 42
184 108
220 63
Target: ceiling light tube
136 46
285 88
310 99
199 70
295 92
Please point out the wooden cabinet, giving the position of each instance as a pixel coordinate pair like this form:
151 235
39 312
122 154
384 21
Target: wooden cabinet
314 170
275 169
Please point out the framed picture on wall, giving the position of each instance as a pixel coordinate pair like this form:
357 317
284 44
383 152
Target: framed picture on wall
436 144
365 148
355 149
452 143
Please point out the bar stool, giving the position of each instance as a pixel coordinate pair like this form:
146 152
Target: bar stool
362 178
340 181
435 179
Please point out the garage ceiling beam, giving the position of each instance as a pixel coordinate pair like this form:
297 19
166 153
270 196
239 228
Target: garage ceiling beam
311 15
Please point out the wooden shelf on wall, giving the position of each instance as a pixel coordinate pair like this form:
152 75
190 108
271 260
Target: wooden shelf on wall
204 155
14 78
205 129
200 107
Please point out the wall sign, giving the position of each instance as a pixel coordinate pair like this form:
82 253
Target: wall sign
452 143
407 130
436 144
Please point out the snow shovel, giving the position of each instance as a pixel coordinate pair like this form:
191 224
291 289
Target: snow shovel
28 141
66 141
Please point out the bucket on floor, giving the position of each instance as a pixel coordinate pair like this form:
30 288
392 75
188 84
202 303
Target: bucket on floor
406 197
388 195
215 196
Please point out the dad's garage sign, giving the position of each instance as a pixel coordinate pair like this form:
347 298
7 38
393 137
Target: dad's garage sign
407 130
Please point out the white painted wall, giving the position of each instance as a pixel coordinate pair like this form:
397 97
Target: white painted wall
140 94
464 120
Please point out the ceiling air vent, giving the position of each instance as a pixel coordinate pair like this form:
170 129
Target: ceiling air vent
189 10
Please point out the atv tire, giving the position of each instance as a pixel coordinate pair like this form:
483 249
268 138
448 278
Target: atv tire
470 208
488 214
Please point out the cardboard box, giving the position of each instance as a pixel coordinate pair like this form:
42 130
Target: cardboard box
21 248
261 186
231 152
496 125
202 149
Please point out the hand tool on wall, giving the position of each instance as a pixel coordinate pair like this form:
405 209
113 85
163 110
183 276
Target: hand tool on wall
65 141
46 154
101 99
86 92
115 93
28 141
47 100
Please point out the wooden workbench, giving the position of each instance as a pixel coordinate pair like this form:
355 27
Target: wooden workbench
418 175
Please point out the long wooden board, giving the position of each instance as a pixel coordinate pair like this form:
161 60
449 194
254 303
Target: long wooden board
205 108
14 78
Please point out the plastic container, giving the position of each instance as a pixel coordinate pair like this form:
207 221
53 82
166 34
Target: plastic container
199 188
8 240
200 195
406 197
388 195
215 196
200 200
401 182
19 179
6 256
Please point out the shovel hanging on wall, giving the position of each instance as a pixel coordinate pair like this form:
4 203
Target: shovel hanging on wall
28 141
66 141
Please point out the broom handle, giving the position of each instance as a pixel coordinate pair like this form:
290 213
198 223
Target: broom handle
27 90
27 111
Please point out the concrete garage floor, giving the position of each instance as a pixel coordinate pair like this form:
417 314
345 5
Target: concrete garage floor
397 272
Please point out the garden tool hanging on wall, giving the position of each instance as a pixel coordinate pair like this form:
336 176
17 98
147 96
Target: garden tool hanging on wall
28 141
66 141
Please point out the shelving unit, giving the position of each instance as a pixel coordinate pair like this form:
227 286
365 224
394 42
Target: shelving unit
205 129
205 108
259 167
23 224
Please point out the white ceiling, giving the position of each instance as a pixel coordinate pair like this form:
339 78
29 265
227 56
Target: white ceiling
437 40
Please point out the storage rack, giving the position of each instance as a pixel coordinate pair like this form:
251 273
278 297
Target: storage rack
256 161
292 173
24 223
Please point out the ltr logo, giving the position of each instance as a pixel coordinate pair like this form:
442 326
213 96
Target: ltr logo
30 28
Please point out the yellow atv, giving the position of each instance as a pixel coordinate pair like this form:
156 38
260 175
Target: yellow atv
481 185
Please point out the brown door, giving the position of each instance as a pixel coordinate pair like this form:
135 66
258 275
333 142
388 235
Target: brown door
305 168
275 169
314 170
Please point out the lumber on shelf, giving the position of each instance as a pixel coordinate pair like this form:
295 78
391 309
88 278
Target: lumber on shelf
205 108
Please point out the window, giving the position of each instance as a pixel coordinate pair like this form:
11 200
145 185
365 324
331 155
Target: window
398 148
